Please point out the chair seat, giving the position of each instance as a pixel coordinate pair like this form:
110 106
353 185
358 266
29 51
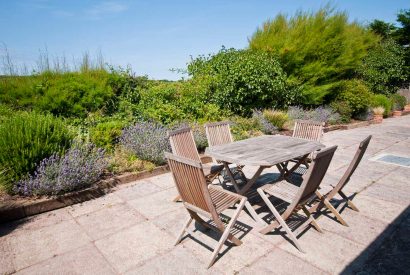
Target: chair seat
282 190
223 199
211 168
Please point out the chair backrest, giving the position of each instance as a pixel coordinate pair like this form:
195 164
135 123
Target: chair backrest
308 129
183 144
315 174
353 165
191 183
218 133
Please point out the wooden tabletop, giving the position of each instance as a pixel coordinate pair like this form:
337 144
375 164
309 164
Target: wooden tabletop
263 150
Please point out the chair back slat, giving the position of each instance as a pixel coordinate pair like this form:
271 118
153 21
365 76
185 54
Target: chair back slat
307 129
183 144
218 133
190 181
353 164
315 174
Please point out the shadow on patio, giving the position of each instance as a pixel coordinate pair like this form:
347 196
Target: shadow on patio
389 253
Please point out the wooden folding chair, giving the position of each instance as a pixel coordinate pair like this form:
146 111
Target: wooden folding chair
327 192
218 133
183 144
297 197
207 200
309 130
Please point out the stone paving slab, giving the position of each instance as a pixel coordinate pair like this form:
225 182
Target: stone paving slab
280 262
85 260
132 246
132 230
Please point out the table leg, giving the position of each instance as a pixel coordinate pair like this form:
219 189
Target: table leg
252 180
285 172
231 176
242 191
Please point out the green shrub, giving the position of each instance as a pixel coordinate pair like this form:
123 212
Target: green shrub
19 91
316 49
398 102
243 128
72 94
356 94
25 140
127 88
5 112
75 94
380 100
243 80
160 103
343 109
277 118
383 68
105 134
121 161
170 102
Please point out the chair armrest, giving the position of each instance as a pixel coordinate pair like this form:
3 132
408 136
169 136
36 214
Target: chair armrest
206 159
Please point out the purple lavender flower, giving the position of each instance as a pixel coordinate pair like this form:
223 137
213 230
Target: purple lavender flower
322 113
81 166
266 126
147 140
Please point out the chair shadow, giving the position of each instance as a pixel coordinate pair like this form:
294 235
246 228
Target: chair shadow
239 230
293 222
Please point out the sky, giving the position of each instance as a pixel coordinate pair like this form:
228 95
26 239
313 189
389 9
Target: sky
152 36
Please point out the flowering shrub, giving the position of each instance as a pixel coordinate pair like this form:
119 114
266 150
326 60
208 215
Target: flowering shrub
147 140
265 126
81 166
323 114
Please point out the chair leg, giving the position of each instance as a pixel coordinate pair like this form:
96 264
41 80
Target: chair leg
312 220
186 225
177 198
226 232
331 208
349 202
280 220
254 215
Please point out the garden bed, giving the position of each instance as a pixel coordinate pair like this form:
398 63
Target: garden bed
17 207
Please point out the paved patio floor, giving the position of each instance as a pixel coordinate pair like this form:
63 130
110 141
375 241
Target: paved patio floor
132 229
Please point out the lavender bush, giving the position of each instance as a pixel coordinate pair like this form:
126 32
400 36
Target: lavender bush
266 126
322 113
81 166
147 140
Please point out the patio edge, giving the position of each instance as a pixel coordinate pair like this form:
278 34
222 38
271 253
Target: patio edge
15 210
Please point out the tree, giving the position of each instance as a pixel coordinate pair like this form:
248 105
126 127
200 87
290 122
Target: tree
382 28
242 80
402 36
317 50
384 67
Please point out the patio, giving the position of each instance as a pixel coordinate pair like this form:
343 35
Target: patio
132 229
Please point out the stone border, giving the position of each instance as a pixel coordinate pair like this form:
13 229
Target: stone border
14 210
